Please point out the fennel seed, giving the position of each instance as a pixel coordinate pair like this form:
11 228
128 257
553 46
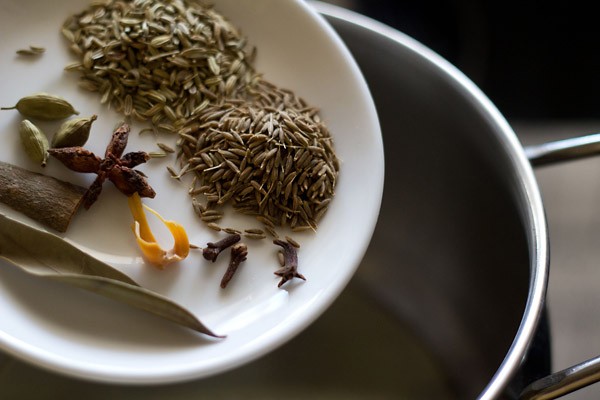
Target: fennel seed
169 56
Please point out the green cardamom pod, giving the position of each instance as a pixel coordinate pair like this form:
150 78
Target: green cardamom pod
43 106
74 132
34 142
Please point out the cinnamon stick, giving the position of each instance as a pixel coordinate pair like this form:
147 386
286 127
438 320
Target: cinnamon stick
45 199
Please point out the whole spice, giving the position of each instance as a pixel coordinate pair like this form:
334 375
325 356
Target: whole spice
212 250
115 166
34 142
290 267
152 252
31 51
47 200
43 106
184 68
48 256
165 147
74 132
158 60
254 234
239 251
292 242
270 159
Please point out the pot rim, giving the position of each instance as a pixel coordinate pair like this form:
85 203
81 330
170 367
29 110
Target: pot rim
526 188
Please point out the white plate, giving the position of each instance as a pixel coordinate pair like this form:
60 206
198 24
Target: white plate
83 335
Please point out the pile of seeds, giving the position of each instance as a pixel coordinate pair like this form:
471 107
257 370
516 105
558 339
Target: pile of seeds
274 160
184 68
162 61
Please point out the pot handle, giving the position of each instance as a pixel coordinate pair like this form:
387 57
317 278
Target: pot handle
563 150
564 382
588 372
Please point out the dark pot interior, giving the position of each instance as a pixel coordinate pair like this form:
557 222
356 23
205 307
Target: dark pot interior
449 255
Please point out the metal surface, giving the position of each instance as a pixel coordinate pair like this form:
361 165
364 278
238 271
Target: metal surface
564 150
571 192
564 382
552 386
587 372
405 52
461 247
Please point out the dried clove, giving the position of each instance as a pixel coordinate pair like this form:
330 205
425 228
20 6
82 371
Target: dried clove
290 268
115 166
239 252
212 250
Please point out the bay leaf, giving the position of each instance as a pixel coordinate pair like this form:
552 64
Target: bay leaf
41 253
48 256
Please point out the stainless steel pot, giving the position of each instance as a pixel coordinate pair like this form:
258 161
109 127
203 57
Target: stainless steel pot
461 249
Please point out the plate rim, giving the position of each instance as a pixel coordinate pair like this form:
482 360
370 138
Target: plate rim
269 340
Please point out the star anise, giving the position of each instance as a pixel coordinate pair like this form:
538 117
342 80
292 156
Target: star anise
118 168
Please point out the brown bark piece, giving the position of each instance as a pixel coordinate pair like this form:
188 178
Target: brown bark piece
45 199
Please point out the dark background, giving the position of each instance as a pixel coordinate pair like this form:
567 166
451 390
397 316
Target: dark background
533 59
